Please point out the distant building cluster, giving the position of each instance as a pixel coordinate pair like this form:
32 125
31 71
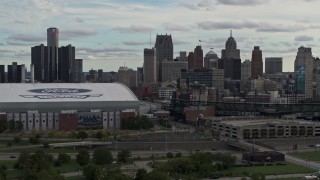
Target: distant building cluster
228 75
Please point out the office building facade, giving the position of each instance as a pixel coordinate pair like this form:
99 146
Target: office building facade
211 60
39 58
256 62
171 70
149 66
53 45
303 68
2 74
246 69
273 65
164 50
65 63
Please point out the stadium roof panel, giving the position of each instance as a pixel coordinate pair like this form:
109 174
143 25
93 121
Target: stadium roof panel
65 92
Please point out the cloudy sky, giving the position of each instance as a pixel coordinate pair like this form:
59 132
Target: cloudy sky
112 33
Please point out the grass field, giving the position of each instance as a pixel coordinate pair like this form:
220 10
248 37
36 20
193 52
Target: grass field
310 156
267 170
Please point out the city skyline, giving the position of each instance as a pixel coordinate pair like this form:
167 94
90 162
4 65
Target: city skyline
109 34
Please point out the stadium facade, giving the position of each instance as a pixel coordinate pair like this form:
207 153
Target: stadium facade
67 106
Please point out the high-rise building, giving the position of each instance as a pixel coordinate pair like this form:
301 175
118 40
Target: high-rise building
273 65
2 74
230 60
171 70
191 60
77 71
53 45
246 69
149 66
139 76
303 68
183 56
65 63
256 62
231 51
208 77
16 73
39 58
195 60
211 60
127 76
164 47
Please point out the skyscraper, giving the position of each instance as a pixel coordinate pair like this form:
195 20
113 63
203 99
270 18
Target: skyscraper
77 76
256 62
246 69
2 74
303 68
65 63
39 58
53 45
231 51
230 60
273 65
211 60
195 59
16 73
171 70
127 76
149 66
164 47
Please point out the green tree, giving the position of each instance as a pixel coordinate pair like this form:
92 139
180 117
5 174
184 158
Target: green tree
83 157
3 126
64 158
18 126
90 171
99 135
123 156
141 174
17 139
11 125
33 140
157 175
102 156
3 172
82 135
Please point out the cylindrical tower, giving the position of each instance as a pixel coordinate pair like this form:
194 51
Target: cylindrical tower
53 45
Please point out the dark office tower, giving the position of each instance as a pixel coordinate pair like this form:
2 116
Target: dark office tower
231 51
16 73
139 75
273 65
198 57
77 71
39 58
256 62
65 63
2 74
53 45
164 49
230 60
149 66
191 64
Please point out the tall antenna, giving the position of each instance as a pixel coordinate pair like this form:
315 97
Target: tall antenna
150 40
230 33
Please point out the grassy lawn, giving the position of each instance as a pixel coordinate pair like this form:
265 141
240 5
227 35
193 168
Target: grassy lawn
71 166
311 156
267 170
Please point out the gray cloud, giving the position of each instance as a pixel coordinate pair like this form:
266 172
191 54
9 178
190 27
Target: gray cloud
279 28
105 50
174 27
209 25
5 51
133 29
67 34
242 2
203 4
79 20
303 38
26 38
135 43
179 42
